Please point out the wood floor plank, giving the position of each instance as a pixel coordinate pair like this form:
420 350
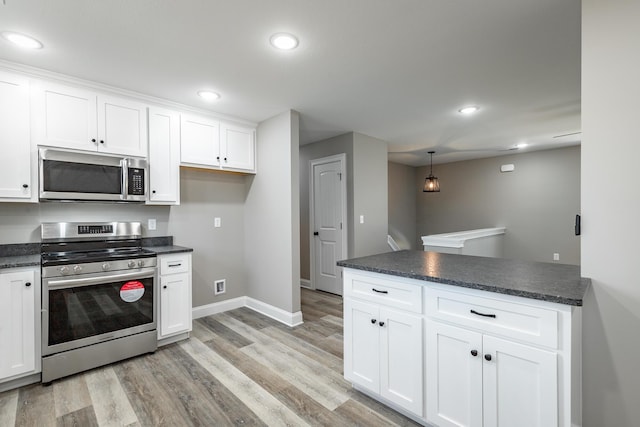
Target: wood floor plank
200 331
318 341
356 414
262 403
384 411
252 318
70 394
84 417
8 407
207 401
307 408
239 340
110 401
35 407
316 353
151 401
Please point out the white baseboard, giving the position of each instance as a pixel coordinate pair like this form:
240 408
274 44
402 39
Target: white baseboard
218 307
305 283
282 316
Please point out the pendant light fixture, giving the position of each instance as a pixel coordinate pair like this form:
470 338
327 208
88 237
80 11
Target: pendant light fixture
431 184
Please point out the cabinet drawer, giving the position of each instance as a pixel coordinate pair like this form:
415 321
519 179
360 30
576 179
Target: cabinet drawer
382 290
174 263
519 321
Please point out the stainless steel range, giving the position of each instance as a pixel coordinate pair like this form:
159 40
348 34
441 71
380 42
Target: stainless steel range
98 296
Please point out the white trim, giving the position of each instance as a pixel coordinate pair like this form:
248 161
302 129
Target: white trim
282 316
306 283
342 158
40 73
217 307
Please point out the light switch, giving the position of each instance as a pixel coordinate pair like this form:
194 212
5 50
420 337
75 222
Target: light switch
217 222
361 219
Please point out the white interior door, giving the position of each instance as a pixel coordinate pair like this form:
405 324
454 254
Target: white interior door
329 202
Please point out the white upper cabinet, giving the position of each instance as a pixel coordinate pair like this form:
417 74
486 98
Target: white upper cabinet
209 143
15 162
199 141
164 157
237 147
68 117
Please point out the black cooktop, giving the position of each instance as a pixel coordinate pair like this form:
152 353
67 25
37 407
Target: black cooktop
62 253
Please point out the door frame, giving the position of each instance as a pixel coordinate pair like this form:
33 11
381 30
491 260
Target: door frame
342 158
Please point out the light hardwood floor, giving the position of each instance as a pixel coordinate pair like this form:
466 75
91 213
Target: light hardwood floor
238 368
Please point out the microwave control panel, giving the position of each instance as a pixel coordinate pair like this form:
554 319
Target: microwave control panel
136 182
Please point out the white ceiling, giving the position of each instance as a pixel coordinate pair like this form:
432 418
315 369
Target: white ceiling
397 70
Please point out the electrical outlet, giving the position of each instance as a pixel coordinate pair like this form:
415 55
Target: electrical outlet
152 224
217 222
556 256
361 219
220 286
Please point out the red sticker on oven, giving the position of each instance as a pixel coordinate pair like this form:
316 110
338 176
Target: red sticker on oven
132 291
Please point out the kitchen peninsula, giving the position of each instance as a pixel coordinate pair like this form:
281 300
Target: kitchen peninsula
444 337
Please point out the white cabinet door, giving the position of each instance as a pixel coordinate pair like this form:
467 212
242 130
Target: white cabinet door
65 117
401 378
164 157
15 144
122 126
520 385
237 147
454 376
17 323
362 344
199 141
175 304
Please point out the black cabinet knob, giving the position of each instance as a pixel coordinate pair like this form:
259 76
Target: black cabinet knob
164 287
474 353
381 324
25 185
487 357
225 159
101 141
27 284
153 191
218 158
93 140
373 321
315 233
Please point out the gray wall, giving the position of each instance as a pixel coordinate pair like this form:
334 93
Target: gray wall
402 205
366 193
218 252
611 207
537 202
272 216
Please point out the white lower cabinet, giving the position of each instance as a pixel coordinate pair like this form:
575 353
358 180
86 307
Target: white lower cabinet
19 306
175 294
383 352
480 380
485 359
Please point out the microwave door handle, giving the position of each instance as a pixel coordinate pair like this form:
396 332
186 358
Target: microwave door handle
125 179
72 283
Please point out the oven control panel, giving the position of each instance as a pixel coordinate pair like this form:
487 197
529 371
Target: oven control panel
95 229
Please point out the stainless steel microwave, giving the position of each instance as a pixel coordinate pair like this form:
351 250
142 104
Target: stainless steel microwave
75 176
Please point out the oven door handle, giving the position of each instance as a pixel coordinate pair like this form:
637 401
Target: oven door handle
72 283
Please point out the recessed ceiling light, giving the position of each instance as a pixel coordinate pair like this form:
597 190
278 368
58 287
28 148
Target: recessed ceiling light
22 40
469 109
284 41
209 96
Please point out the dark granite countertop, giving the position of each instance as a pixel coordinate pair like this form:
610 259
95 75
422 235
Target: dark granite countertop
14 261
168 249
559 283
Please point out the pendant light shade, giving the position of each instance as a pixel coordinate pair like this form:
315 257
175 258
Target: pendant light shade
431 184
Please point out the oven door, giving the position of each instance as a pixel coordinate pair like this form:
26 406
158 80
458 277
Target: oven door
83 310
67 175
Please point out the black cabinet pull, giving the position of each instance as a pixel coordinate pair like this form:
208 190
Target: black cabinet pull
218 158
25 185
225 159
27 284
487 357
175 265
373 321
474 353
483 314
164 287
101 141
153 191
380 292
93 140
381 324
315 233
